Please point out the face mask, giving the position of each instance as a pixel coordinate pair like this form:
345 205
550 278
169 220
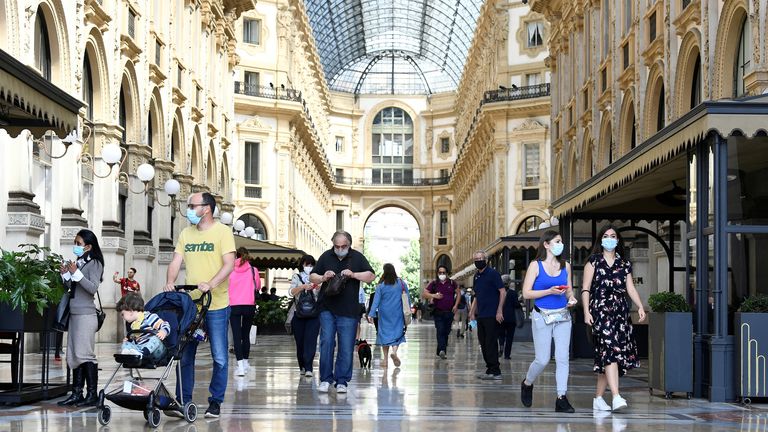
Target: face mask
78 250
609 244
341 253
557 248
308 270
192 216
442 277
480 264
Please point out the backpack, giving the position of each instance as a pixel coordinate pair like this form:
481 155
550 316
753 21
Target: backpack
462 301
306 304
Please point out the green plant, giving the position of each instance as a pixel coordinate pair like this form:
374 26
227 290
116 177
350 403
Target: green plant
757 303
668 302
272 311
26 280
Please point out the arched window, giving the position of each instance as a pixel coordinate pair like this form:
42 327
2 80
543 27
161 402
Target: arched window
660 110
123 116
252 220
741 65
42 45
392 152
696 83
531 223
444 261
88 86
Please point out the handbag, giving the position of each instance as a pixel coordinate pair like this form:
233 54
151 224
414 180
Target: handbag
306 304
289 319
100 315
333 286
407 315
252 335
62 314
551 316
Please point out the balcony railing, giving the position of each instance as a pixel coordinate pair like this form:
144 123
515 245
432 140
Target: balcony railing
356 181
516 93
267 92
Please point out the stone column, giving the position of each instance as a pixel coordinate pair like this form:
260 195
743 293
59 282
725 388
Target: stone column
25 223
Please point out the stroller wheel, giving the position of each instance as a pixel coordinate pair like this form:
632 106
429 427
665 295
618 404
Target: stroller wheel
190 412
153 417
105 415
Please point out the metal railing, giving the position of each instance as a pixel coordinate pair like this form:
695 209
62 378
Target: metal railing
267 92
516 93
356 181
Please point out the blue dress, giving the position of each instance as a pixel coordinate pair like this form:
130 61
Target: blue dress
388 306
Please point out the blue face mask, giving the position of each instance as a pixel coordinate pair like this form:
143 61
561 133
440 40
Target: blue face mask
609 244
557 248
192 216
78 250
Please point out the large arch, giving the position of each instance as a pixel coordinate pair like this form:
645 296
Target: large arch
605 155
394 202
732 17
177 152
688 56
415 118
523 218
587 164
56 24
572 177
211 168
156 125
655 102
628 132
129 95
94 48
559 185
262 217
196 160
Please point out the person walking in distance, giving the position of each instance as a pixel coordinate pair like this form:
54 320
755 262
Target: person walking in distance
462 311
548 282
306 329
388 306
445 296
207 247
607 283
244 281
487 307
508 327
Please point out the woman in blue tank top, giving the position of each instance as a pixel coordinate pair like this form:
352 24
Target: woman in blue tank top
548 282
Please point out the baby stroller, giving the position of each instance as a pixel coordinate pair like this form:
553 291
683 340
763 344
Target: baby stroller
150 394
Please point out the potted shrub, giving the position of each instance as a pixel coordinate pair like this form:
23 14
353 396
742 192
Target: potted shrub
670 344
30 286
271 315
752 333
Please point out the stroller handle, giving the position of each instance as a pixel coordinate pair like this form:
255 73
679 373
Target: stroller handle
185 287
205 299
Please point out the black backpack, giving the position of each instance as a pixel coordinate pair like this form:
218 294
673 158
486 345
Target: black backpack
306 304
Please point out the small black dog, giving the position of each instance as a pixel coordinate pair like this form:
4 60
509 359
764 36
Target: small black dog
363 353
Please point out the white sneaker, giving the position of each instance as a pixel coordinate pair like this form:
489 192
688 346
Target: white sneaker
247 366
308 374
341 388
619 403
323 387
599 404
239 371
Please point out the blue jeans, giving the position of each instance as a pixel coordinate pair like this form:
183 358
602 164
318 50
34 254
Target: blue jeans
345 327
216 326
153 345
443 322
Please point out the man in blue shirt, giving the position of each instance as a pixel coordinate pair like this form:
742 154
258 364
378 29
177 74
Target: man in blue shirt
487 308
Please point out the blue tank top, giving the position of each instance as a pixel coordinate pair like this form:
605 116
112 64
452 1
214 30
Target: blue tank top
544 281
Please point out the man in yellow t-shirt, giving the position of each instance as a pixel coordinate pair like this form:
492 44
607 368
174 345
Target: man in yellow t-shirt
208 249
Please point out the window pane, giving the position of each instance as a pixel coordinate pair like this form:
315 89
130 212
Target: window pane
747 189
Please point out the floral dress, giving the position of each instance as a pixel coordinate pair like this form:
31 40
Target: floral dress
609 307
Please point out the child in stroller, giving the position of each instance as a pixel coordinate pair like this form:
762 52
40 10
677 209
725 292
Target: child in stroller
184 317
154 330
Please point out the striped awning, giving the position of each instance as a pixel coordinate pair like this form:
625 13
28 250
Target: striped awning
29 101
747 117
269 255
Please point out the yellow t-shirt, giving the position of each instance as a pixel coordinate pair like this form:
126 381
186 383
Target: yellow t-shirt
203 253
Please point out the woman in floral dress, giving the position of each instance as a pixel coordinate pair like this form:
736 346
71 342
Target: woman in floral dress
608 276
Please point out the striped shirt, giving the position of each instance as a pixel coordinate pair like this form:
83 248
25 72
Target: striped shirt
148 321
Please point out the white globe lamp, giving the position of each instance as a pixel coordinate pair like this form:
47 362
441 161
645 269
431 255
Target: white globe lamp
226 218
145 172
239 225
172 187
111 154
250 231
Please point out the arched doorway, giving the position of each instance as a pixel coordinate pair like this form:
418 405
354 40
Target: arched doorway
251 220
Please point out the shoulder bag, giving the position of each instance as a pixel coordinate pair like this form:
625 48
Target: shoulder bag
100 315
407 315
62 314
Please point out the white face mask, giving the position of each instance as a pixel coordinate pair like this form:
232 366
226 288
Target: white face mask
442 277
308 270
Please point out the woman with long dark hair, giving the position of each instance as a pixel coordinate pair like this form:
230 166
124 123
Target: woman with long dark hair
244 281
306 329
82 279
548 282
607 282
388 306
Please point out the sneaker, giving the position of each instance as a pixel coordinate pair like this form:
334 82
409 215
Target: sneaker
246 365
239 371
442 355
483 376
341 388
301 371
491 377
619 403
323 387
526 394
213 411
562 405
308 374
599 404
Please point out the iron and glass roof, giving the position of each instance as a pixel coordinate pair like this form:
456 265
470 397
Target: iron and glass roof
393 46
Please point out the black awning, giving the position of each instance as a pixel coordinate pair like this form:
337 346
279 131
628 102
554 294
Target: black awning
269 255
29 101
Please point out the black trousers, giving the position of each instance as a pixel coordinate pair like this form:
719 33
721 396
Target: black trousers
506 336
487 334
306 332
241 320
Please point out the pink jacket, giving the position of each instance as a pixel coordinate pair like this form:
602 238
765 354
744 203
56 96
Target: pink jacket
241 284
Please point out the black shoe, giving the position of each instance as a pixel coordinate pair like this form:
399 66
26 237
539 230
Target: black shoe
526 394
78 379
213 411
562 405
91 378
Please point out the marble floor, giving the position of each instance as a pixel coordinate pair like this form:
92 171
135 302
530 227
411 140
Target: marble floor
425 394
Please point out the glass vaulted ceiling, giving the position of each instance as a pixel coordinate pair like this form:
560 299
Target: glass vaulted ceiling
393 46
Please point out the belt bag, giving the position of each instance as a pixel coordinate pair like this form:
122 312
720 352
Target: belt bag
554 315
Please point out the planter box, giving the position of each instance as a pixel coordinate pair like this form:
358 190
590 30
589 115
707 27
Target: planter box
272 329
751 352
13 320
670 353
